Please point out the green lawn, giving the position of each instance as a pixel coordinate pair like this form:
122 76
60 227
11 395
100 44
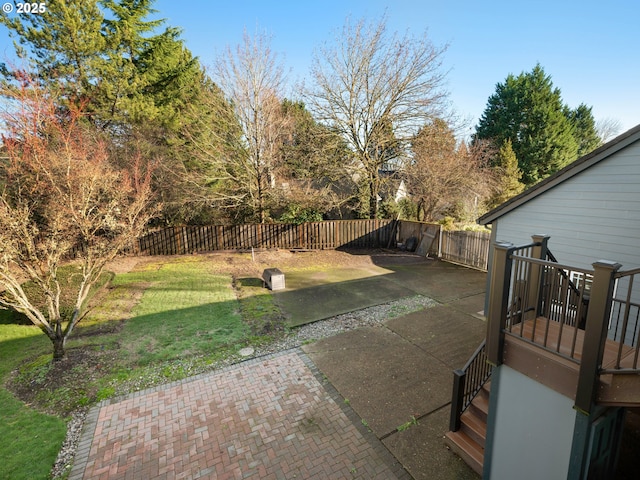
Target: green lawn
185 310
31 440
165 321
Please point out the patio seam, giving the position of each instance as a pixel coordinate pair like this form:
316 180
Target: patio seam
376 444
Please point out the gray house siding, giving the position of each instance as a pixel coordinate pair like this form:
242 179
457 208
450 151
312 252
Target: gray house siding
515 427
591 216
591 211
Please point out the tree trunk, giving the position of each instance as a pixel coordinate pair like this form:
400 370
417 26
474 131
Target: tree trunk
373 199
58 348
260 199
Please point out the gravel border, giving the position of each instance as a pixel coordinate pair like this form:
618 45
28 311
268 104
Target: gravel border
298 336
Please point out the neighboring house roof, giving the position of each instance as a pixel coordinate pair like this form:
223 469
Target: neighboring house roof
393 185
560 176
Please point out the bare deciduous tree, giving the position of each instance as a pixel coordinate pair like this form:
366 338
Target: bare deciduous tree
447 179
377 90
607 128
61 196
252 79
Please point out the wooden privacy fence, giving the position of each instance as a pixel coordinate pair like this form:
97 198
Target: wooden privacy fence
426 235
466 248
312 236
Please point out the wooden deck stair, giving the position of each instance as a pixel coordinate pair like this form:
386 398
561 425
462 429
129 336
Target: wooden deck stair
469 441
547 367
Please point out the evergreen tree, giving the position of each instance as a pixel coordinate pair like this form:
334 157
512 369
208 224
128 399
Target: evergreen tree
133 79
311 150
585 131
528 111
508 175
108 59
314 166
64 44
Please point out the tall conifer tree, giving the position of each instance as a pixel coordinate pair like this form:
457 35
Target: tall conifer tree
508 175
131 76
545 134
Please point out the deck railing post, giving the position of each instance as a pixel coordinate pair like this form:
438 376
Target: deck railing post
457 399
595 333
498 301
539 251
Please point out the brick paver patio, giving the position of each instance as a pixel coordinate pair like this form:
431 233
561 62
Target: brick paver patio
269 418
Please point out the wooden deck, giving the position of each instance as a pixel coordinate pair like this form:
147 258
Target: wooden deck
551 353
568 341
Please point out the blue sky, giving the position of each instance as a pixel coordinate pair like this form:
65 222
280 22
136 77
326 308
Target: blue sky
590 48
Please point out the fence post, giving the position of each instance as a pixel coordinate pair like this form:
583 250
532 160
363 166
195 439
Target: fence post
498 300
185 236
595 333
457 398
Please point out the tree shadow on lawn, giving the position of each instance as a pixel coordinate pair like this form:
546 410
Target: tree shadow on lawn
103 356
203 330
173 333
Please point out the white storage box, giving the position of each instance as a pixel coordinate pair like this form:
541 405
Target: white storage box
273 278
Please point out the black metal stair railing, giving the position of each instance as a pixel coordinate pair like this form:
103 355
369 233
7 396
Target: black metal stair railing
578 294
624 323
551 297
467 382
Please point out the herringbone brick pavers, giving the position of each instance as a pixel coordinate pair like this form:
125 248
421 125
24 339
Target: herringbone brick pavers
270 418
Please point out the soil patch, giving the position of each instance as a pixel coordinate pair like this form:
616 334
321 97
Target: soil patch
55 387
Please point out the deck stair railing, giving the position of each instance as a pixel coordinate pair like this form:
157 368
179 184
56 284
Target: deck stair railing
590 317
578 287
556 301
467 382
579 314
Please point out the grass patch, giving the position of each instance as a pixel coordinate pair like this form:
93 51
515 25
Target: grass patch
31 440
185 310
407 425
258 307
